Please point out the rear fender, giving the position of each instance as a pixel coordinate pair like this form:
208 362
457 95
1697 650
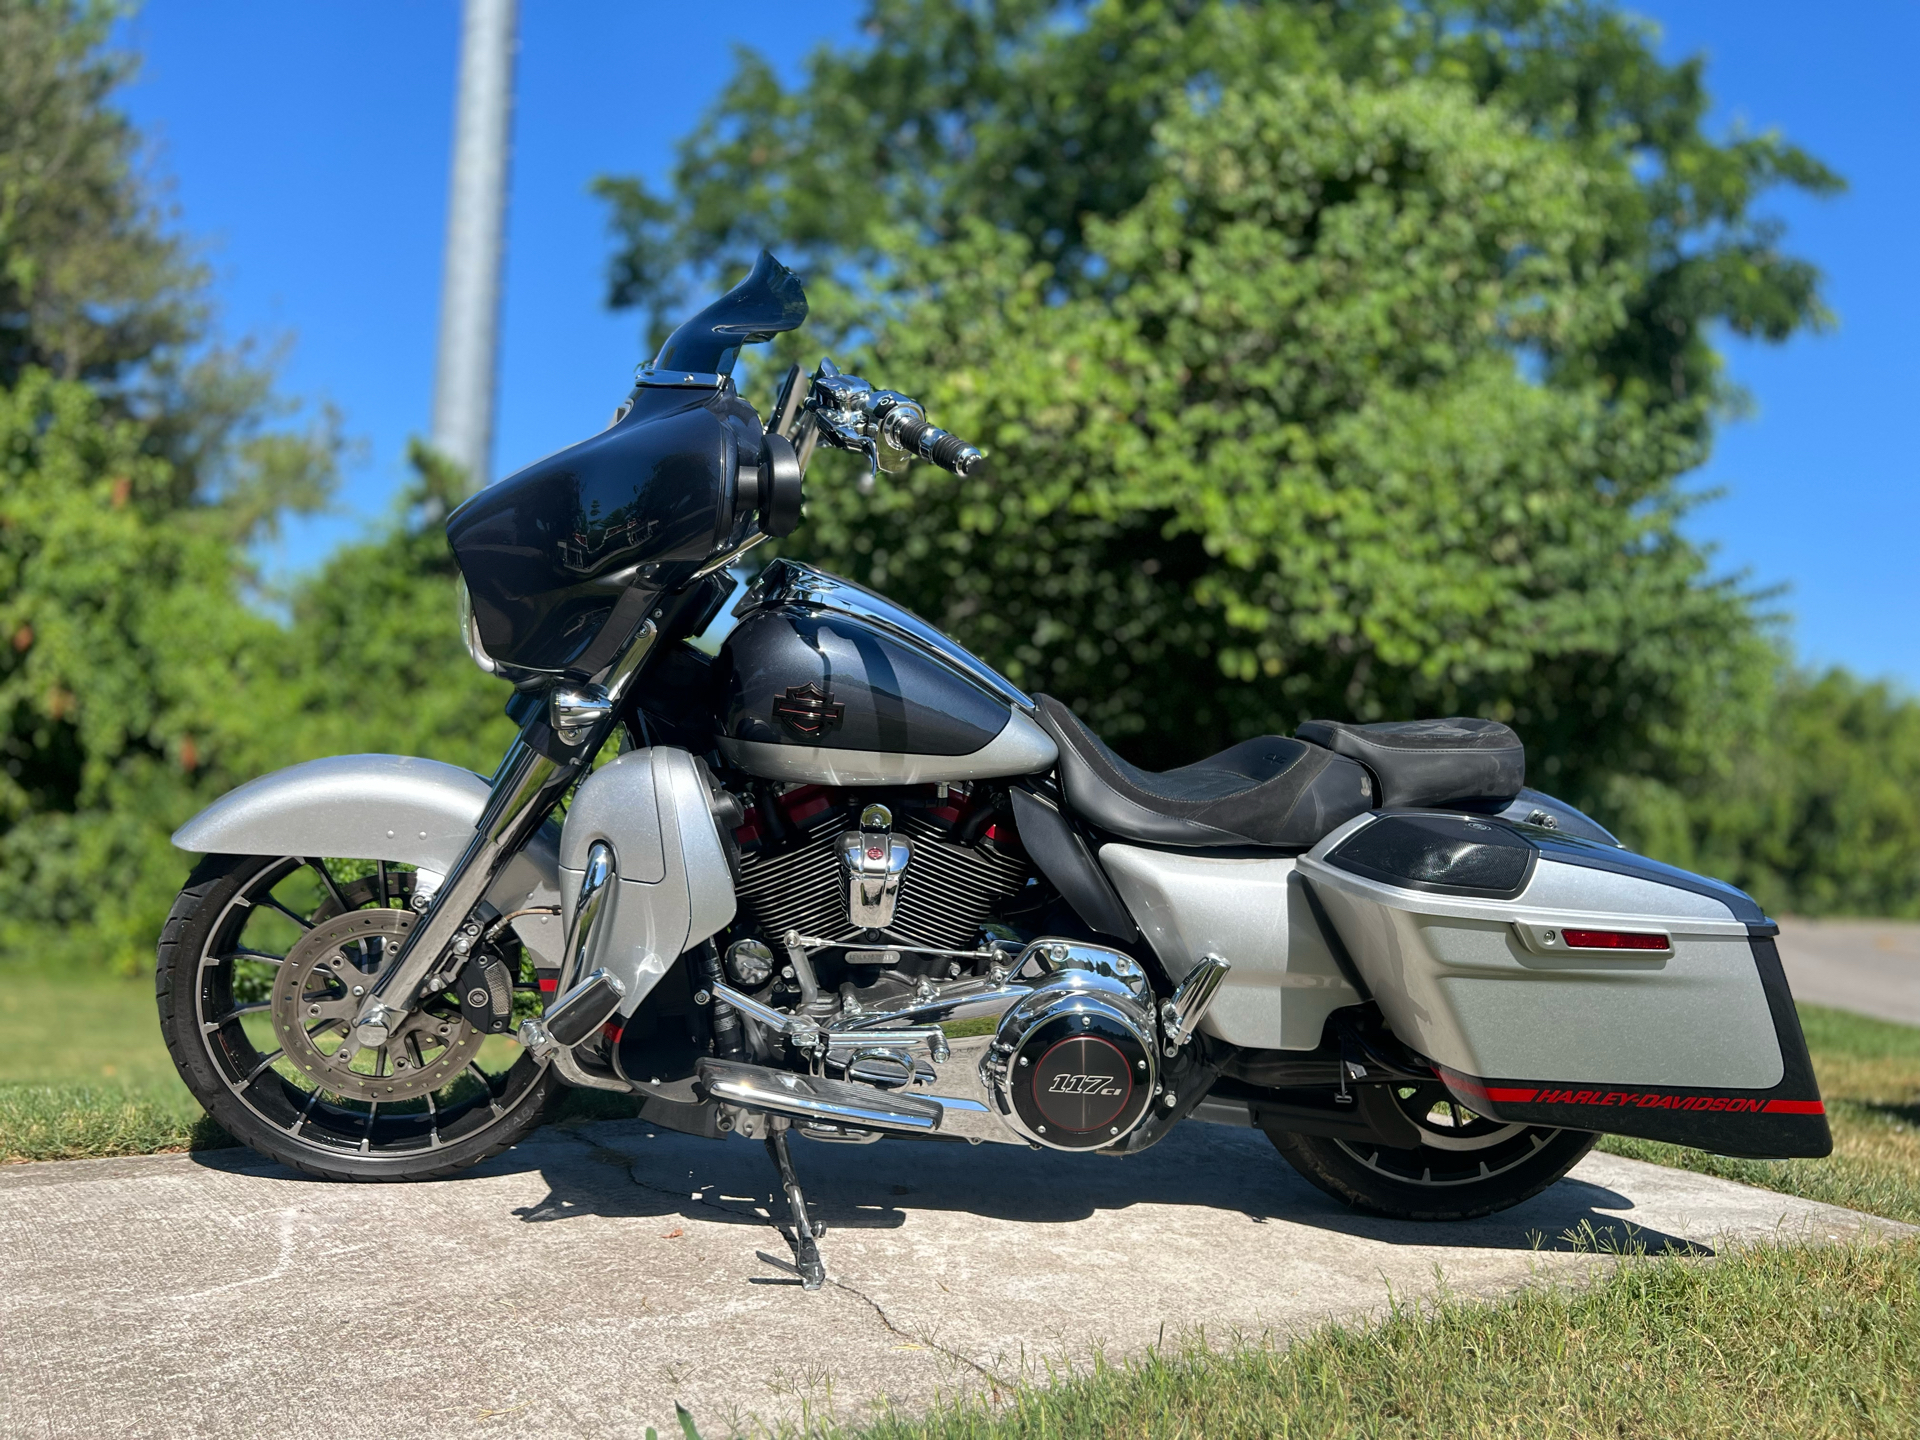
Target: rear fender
382 807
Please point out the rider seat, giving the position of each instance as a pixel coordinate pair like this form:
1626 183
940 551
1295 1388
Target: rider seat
1461 761
1280 793
1272 792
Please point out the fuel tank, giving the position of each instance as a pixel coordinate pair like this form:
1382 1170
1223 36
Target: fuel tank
825 682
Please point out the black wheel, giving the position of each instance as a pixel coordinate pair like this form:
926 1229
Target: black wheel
1465 1165
262 965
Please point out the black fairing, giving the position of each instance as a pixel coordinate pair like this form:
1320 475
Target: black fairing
548 552
794 676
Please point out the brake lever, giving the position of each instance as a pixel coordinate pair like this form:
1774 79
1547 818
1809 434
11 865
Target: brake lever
841 406
851 415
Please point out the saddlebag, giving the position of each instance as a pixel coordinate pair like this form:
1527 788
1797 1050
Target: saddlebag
1553 980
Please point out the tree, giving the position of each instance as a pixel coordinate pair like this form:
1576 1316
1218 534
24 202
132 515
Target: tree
137 459
1817 812
1334 360
374 659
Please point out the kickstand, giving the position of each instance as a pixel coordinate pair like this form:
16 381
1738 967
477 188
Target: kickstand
804 1239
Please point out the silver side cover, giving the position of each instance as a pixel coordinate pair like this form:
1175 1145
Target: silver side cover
1021 748
380 807
675 888
1254 914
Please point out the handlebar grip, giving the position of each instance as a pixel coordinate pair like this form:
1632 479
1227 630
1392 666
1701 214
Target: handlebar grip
941 447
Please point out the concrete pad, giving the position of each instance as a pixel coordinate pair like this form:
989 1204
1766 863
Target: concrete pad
1871 967
580 1284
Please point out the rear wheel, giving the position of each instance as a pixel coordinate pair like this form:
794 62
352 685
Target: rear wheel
1466 1164
262 966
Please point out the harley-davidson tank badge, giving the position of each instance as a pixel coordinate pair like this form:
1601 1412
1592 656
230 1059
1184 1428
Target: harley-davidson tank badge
808 711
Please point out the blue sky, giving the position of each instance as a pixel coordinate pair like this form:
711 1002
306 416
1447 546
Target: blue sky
307 148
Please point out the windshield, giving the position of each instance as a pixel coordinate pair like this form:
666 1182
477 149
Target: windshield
770 300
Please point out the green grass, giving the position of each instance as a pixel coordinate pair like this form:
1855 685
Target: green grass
83 1072
1869 1073
1776 1340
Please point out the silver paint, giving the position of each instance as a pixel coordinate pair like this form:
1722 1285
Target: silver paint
371 807
1456 980
380 807
1021 748
674 888
1254 914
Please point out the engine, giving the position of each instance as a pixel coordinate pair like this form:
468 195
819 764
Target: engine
910 867
876 956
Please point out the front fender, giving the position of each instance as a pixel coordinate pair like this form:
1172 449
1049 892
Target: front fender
381 807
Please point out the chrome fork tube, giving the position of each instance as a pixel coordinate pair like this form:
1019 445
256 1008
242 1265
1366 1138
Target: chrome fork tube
525 788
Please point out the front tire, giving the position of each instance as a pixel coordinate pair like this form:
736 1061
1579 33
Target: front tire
259 962
1465 1166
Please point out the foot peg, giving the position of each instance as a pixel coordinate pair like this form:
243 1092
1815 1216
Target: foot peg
574 1016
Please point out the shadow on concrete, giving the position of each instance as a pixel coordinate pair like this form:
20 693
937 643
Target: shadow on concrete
633 1170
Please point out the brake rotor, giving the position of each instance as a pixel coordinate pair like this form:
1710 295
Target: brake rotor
320 988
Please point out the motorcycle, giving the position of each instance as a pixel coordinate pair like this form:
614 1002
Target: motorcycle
843 880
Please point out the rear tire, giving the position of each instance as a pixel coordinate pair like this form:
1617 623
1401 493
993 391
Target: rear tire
1467 1165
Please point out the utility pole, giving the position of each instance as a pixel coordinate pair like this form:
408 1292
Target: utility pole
476 222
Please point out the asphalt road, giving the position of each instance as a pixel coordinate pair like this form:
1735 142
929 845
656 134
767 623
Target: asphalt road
1868 966
582 1283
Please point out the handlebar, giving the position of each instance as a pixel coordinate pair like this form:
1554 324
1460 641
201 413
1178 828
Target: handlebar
849 414
914 434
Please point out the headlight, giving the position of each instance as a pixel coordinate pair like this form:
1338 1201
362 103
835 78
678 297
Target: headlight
470 632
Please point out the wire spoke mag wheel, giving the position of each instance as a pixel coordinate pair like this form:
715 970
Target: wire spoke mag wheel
263 963
1465 1165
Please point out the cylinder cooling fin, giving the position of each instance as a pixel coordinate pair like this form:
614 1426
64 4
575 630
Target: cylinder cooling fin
793 875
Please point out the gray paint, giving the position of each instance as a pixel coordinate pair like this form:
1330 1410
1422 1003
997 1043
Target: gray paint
379 807
1021 748
675 888
1253 913
1456 980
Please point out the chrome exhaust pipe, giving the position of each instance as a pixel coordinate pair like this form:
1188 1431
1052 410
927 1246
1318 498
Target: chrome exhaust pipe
812 1097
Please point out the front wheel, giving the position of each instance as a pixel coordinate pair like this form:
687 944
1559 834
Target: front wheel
262 966
1465 1166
